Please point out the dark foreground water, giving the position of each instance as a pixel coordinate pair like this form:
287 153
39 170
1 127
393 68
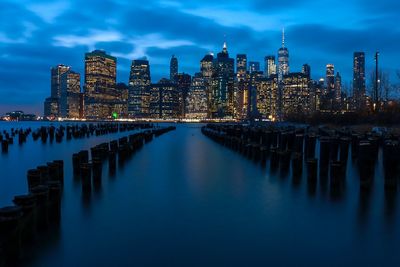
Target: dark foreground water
184 200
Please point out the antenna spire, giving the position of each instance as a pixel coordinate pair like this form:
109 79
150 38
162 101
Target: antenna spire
225 46
283 37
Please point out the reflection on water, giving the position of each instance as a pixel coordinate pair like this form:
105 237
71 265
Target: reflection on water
185 200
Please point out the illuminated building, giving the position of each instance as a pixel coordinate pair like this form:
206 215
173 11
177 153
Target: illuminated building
241 66
254 66
56 73
338 91
254 81
183 82
173 68
52 104
316 95
196 101
330 81
101 98
164 100
306 70
70 84
283 69
296 94
123 91
267 97
121 106
139 89
222 88
283 59
241 96
270 66
51 107
206 69
359 80
241 87
206 66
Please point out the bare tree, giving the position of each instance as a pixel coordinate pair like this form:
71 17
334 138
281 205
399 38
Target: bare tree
396 86
384 87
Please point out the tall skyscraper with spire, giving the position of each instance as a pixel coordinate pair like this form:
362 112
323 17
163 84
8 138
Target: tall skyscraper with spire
283 70
241 86
283 59
222 89
225 48
173 68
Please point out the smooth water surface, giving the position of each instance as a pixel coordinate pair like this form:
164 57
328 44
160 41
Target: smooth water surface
184 200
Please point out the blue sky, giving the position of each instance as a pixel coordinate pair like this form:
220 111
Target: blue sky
35 35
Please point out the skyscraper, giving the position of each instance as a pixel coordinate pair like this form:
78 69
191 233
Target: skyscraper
330 87
222 90
283 70
183 82
241 87
139 88
206 69
173 68
164 100
254 66
296 94
306 69
330 80
100 80
196 101
51 107
254 81
267 97
241 66
316 94
283 59
56 73
359 80
338 90
100 74
206 66
270 66
52 104
70 84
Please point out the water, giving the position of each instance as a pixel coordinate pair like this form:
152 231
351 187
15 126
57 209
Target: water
184 200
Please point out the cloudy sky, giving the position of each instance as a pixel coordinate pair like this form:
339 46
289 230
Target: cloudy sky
35 35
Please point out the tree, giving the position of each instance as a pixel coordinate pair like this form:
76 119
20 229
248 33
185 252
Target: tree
384 86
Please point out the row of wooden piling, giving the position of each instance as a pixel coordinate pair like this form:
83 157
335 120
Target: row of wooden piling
68 132
34 212
292 148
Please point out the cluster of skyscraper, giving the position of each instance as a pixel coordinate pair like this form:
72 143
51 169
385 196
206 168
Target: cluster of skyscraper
216 92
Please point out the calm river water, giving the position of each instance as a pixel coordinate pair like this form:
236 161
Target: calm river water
184 200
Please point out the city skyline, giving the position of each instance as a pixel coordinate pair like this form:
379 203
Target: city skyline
48 35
